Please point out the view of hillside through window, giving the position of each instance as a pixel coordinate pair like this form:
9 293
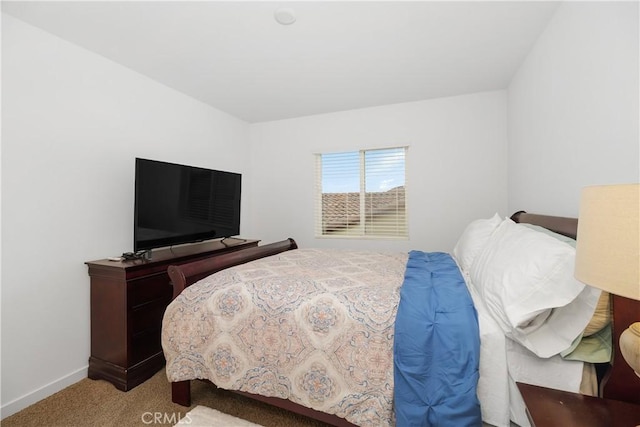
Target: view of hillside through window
363 193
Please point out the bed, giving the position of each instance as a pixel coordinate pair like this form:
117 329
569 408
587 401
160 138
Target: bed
318 332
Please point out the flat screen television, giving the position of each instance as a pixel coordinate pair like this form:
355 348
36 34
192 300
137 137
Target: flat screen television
176 204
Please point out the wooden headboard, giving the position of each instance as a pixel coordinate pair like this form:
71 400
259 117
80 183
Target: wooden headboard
620 383
558 224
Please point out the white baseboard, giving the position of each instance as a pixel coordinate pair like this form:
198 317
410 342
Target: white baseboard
47 390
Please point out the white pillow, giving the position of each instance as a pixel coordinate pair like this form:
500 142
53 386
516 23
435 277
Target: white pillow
526 280
473 240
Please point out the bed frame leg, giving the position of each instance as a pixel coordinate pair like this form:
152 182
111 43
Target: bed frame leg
181 393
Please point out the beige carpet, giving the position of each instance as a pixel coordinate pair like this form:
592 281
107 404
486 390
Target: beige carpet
90 403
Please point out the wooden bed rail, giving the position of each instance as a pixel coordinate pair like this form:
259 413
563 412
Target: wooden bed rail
181 394
184 275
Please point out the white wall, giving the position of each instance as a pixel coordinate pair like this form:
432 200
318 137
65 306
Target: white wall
73 122
456 167
573 108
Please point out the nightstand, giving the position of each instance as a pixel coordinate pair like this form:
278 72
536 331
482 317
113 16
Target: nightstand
549 408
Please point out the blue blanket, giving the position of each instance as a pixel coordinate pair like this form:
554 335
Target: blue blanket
436 346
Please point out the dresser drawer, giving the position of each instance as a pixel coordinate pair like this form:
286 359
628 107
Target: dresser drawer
145 344
148 316
148 289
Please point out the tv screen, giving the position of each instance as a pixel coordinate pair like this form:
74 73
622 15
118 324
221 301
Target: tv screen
177 204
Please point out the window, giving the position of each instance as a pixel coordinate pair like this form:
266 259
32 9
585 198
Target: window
361 194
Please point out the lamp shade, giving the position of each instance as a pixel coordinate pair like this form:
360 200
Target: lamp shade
608 243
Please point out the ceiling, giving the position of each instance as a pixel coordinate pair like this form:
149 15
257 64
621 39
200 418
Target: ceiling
337 56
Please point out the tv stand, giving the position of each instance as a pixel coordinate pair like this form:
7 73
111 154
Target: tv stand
128 299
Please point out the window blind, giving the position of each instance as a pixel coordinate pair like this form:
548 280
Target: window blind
361 194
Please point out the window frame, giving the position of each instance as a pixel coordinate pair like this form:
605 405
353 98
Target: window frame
319 228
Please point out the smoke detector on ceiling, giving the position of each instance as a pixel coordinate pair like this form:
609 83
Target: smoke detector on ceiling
285 16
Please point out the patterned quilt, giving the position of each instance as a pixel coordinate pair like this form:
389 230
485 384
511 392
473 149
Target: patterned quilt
310 325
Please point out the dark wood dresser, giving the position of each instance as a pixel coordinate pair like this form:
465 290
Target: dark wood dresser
128 300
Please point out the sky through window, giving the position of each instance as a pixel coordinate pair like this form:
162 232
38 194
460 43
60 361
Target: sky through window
384 170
